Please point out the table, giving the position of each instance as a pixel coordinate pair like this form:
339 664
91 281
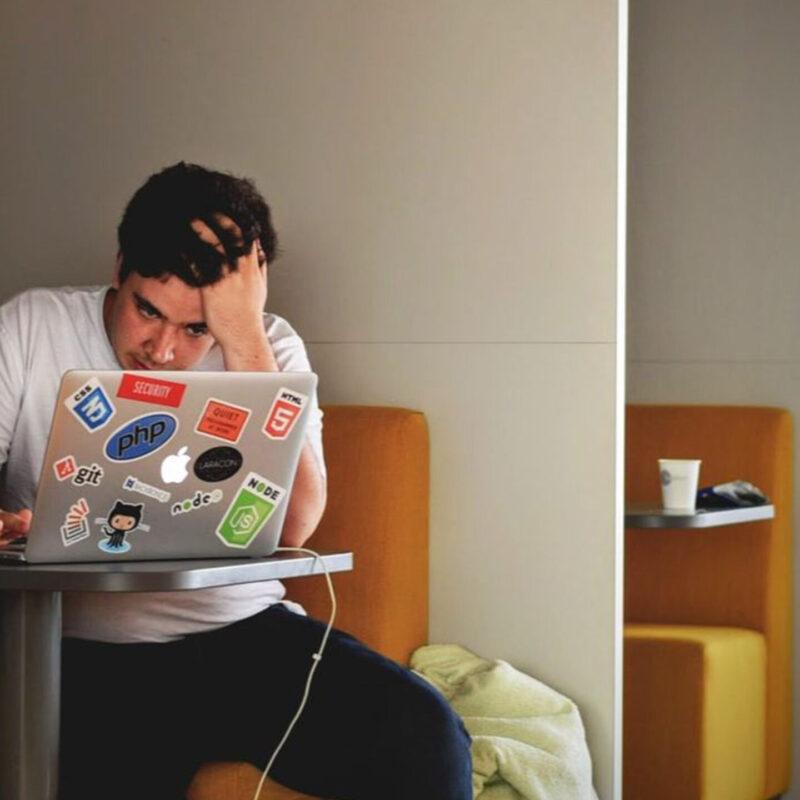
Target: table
30 643
651 517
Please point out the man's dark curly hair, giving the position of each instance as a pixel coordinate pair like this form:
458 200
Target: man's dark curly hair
155 235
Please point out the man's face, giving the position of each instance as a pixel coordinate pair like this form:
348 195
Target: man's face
156 323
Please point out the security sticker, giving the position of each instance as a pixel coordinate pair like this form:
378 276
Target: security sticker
91 405
122 519
249 511
222 420
65 467
76 526
283 414
198 500
151 390
135 485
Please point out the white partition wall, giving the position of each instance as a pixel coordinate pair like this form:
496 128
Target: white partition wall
445 178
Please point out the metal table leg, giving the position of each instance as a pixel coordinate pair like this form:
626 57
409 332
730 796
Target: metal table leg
30 686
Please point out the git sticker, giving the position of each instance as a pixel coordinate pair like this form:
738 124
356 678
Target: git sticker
285 411
249 511
222 420
76 526
65 467
91 406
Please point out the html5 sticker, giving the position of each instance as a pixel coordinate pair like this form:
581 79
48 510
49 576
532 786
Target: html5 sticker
65 467
91 406
222 420
285 412
151 390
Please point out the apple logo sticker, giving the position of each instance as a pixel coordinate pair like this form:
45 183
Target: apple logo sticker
173 468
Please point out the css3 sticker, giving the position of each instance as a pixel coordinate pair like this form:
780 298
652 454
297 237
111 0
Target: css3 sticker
140 437
249 511
91 406
286 408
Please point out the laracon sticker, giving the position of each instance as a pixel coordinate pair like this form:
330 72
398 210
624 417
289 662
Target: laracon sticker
151 390
249 511
91 406
65 467
222 420
198 500
76 527
140 437
285 411
135 485
218 464
122 519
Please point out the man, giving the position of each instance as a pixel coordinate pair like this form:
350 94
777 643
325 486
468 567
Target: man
156 684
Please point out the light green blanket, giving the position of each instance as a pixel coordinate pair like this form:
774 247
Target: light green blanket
528 741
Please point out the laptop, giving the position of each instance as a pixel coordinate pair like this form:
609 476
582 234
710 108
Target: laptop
167 465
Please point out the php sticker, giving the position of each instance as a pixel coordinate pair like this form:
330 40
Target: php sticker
135 485
76 526
151 390
249 511
285 411
198 500
217 464
140 437
65 467
222 420
91 406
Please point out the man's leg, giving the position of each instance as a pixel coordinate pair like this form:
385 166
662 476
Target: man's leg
126 721
371 729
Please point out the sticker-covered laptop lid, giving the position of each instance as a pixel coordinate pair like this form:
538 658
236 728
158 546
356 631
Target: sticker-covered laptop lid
178 465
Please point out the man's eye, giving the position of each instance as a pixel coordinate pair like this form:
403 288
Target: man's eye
196 330
146 311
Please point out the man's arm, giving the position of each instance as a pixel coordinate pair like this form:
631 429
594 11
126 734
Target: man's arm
233 312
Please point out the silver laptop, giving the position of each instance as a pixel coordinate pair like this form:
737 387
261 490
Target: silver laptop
166 465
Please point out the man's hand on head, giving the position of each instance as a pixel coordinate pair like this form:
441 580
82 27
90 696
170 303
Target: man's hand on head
12 526
233 306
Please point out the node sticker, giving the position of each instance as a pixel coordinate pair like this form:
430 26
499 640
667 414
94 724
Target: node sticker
76 527
135 485
222 420
151 390
249 511
284 413
65 467
198 500
91 406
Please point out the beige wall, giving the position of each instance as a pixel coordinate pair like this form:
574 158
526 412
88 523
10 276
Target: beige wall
444 177
714 284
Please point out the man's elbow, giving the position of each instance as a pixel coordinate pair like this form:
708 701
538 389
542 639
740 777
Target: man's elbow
298 528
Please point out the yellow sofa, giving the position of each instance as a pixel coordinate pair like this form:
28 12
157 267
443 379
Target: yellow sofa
708 635
377 461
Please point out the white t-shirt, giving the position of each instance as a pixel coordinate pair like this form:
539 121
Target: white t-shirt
43 333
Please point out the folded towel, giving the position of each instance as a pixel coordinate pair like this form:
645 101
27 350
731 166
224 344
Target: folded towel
528 741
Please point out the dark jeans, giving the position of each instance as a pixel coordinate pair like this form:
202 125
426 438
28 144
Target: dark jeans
139 719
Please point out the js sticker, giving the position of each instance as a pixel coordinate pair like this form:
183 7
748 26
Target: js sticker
249 511
284 413
91 405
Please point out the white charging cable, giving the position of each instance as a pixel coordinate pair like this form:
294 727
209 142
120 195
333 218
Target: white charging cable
316 658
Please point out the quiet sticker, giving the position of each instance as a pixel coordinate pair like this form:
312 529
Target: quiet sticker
285 411
91 405
151 390
222 420
76 526
249 511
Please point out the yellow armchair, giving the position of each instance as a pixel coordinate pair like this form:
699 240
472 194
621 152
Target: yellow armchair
708 612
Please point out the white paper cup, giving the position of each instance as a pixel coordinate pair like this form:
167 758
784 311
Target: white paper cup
679 477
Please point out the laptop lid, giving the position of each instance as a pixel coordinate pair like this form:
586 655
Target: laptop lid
143 465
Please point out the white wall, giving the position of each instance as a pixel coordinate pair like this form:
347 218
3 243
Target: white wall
444 177
714 241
